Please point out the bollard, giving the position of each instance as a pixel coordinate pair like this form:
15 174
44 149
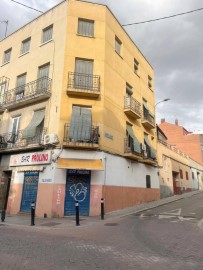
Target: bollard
77 215
32 213
3 215
102 208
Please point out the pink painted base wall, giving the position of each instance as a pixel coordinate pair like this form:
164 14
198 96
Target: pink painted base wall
50 198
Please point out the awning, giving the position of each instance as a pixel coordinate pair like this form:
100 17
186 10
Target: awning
30 130
136 143
80 164
31 169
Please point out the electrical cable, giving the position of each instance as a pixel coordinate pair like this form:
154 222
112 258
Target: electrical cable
163 18
26 6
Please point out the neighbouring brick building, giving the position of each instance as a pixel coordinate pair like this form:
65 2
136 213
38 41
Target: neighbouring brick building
187 142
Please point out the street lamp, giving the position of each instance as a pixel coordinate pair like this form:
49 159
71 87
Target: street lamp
164 100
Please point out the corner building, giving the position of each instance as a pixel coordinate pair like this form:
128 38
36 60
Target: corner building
77 115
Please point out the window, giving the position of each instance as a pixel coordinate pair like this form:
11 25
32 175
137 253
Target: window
81 124
85 27
186 175
7 56
193 176
47 34
118 45
181 174
20 86
25 46
149 82
83 74
43 75
136 66
148 181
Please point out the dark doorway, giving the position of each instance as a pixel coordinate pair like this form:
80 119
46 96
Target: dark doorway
4 189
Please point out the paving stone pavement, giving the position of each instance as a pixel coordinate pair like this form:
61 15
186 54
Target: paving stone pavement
121 241
69 222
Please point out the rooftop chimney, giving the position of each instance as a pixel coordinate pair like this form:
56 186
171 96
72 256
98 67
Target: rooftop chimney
176 122
162 120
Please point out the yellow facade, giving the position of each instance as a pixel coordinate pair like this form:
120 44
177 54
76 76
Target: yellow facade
114 70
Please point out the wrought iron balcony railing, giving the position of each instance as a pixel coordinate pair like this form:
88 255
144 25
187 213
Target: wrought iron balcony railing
31 90
77 134
133 105
149 153
147 116
83 82
12 141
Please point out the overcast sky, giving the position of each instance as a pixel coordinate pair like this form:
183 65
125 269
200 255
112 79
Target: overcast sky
174 47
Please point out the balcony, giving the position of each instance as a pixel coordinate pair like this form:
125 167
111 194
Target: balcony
81 137
148 120
132 107
32 92
15 142
84 85
149 156
129 151
1 108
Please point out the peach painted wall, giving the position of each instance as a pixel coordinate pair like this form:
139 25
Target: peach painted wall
95 200
44 200
58 200
14 199
122 197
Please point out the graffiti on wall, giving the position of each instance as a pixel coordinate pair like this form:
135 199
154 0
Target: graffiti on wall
78 192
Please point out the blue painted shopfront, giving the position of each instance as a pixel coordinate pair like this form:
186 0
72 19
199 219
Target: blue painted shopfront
30 188
77 189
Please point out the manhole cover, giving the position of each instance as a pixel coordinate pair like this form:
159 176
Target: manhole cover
50 224
111 224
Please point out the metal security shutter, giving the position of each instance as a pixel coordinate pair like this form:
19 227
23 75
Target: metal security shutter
136 143
30 188
30 130
83 74
77 189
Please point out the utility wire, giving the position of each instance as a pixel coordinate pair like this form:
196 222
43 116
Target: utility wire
163 18
27 6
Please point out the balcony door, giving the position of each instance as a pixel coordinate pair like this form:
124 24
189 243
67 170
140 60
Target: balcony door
43 75
83 78
20 86
13 130
2 91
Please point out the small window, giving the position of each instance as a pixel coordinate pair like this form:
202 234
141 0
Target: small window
7 56
129 90
148 181
149 82
181 174
193 176
25 46
47 34
136 66
118 45
186 175
85 27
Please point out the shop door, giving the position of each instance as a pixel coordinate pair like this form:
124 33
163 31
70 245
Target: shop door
30 187
77 189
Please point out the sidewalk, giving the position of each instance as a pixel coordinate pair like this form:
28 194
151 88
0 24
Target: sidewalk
69 222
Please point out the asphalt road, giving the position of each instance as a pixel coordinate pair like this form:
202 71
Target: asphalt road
141 242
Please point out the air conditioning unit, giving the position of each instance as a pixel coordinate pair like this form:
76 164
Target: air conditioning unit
144 147
51 139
